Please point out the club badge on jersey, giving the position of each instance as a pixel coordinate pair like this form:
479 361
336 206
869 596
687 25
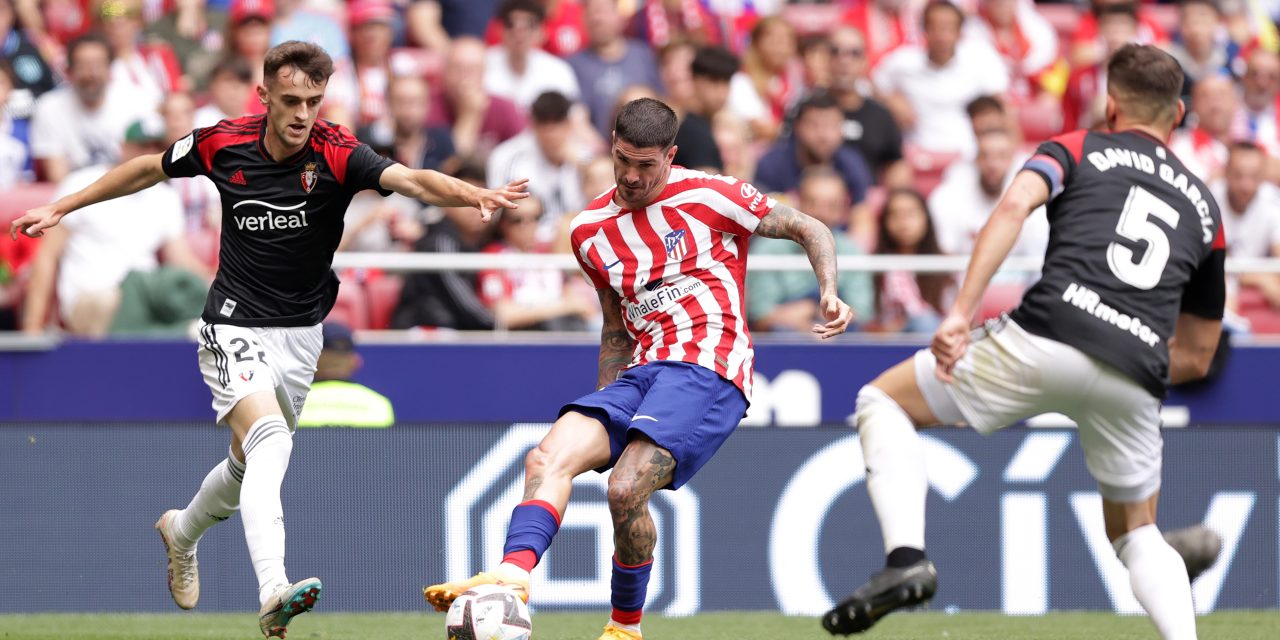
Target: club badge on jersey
675 244
309 176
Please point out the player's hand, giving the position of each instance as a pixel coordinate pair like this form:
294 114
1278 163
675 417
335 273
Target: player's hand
836 313
35 221
950 342
490 200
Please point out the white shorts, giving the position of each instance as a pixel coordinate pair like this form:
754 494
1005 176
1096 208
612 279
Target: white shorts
238 361
1009 375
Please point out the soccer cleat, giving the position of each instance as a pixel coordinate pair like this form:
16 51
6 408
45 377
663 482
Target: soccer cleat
612 632
1198 545
441 596
184 571
889 589
287 603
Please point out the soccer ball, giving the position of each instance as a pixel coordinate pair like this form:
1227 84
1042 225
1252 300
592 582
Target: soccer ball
488 612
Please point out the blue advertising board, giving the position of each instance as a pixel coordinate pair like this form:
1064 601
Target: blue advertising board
801 384
779 520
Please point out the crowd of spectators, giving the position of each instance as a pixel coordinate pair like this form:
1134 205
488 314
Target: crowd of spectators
897 123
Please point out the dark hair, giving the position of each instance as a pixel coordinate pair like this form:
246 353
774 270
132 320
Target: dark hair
984 104
817 99
308 58
1212 4
79 41
550 107
1146 81
509 7
716 63
7 71
932 285
469 170
813 41
1126 9
234 66
1245 146
646 122
944 5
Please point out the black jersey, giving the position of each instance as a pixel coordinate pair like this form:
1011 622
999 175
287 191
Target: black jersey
281 221
1134 239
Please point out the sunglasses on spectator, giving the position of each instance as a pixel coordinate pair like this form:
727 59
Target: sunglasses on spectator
852 52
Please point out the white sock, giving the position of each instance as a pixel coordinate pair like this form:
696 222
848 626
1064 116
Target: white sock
1159 580
896 478
217 499
266 453
512 572
634 628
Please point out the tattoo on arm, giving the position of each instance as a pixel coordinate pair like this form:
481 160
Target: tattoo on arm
616 344
791 224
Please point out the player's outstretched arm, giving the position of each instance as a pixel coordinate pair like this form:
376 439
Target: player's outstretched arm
129 177
1195 340
820 245
996 239
433 187
616 345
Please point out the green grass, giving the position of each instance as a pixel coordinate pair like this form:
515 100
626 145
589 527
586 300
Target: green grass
1232 625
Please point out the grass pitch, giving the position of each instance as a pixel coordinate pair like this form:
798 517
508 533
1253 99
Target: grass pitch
1233 625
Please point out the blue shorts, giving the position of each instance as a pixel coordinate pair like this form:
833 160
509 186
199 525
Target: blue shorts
686 409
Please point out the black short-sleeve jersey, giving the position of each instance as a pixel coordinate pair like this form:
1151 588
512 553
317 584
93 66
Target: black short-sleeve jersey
281 221
1134 239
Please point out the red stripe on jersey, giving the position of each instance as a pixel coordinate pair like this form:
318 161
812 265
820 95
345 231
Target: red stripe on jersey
628 259
728 332
1073 142
712 218
693 308
218 139
657 249
1220 239
738 192
601 202
336 143
595 271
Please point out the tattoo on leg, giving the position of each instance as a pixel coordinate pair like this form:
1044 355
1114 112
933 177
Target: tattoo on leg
635 536
531 487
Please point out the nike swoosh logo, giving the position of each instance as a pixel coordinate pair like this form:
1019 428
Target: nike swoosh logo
640 417
612 265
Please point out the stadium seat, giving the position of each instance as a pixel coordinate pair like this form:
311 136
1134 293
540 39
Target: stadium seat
1000 298
929 167
1263 318
416 61
1039 121
351 308
382 293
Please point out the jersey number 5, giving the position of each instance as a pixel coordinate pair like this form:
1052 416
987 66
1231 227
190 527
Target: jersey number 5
1136 224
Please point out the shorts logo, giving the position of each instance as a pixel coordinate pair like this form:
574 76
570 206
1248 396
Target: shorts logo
182 147
676 245
246 375
309 176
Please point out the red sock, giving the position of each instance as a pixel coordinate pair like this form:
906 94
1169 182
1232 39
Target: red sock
525 559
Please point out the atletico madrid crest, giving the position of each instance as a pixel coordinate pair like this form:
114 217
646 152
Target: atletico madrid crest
309 176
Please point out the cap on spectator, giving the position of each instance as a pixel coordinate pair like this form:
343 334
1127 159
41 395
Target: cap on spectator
366 11
145 131
337 337
242 10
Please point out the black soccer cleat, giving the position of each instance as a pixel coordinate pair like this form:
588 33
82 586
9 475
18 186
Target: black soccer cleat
889 589
1199 547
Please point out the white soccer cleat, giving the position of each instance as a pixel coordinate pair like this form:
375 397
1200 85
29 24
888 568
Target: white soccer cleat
184 571
286 603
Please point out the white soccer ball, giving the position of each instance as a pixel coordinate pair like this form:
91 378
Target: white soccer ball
488 612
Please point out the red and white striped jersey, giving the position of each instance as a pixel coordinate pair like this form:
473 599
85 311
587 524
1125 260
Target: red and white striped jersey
679 266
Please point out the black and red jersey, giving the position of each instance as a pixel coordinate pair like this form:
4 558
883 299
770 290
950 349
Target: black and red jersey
1134 240
281 221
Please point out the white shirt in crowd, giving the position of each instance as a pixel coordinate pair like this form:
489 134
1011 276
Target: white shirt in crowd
543 72
939 94
1251 233
558 187
209 115
62 128
107 240
959 208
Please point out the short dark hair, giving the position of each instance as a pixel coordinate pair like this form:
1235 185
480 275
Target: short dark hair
234 66
1146 81
1212 4
550 107
469 170
1245 146
945 5
509 7
715 63
93 37
646 122
817 99
1126 9
308 58
984 104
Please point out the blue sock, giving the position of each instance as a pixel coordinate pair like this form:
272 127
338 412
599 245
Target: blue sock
533 525
630 586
